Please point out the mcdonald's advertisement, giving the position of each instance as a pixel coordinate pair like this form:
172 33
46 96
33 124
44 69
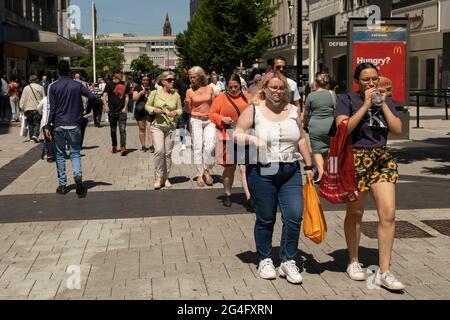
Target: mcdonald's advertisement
385 47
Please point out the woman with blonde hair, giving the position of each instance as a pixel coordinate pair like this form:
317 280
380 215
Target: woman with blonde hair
199 99
275 179
165 103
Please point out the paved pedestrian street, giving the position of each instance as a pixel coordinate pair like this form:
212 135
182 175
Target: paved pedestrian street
127 241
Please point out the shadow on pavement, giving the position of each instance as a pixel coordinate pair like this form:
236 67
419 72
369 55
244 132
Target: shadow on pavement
181 179
433 149
306 261
4 128
90 148
89 184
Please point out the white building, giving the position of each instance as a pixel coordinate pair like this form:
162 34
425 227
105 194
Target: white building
161 49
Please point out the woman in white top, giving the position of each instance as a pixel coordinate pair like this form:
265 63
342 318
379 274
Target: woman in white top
275 179
216 84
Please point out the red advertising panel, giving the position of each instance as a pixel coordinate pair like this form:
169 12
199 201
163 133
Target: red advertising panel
390 59
386 47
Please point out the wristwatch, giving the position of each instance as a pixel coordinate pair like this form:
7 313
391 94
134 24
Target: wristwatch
308 167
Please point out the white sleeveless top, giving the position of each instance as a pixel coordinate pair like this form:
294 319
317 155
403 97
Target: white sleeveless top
281 137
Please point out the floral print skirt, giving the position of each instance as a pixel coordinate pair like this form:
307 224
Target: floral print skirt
374 165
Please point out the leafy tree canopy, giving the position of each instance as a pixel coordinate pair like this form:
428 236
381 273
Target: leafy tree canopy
144 65
224 33
108 59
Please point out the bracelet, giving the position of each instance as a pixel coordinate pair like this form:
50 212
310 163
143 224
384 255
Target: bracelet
306 168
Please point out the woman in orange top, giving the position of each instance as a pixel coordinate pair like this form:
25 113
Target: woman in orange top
225 112
199 99
14 93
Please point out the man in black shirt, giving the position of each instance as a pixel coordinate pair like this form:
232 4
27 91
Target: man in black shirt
115 101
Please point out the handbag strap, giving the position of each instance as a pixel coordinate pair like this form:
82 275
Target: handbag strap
233 104
333 98
31 87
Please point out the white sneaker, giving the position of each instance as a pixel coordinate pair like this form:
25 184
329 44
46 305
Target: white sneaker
389 281
355 272
183 147
266 269
290 270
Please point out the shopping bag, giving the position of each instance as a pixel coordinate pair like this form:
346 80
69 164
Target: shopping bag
338 183
23 126
314 224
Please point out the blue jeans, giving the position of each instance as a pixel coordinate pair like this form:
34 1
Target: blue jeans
269 187
71 137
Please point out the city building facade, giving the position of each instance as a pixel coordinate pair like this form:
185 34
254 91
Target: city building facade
429 37
33 36
285 37
161 49
430 42
328 34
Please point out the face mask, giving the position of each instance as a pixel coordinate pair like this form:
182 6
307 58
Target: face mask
269 98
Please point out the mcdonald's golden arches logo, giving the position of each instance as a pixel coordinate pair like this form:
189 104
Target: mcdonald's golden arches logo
398 50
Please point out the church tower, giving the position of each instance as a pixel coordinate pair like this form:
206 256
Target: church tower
167 31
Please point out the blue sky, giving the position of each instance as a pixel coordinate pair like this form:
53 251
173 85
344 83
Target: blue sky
140 17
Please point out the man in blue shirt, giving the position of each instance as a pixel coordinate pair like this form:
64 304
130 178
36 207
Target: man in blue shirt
65 113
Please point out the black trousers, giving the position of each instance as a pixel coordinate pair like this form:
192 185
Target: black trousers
34 122
83 125
49 146
98 109
121 120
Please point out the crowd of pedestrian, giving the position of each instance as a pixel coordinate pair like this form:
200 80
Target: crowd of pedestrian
262 129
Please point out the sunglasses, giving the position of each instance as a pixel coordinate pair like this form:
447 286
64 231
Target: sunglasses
367 80
275 89
170 80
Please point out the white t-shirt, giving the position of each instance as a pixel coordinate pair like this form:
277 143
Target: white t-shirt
243 84
218 88
294 89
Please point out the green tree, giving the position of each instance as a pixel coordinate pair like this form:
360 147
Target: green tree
225 32
144 65
107 58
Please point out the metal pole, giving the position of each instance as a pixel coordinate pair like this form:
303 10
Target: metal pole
94 60
417 112
446 92
300 50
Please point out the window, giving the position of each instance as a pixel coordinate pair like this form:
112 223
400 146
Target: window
348 5
33 9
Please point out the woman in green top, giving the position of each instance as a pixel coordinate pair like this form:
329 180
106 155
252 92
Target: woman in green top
319 116
165 103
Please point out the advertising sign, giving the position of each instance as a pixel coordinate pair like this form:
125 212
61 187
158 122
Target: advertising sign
387 48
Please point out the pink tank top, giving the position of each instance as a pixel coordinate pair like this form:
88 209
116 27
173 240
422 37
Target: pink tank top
200 103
